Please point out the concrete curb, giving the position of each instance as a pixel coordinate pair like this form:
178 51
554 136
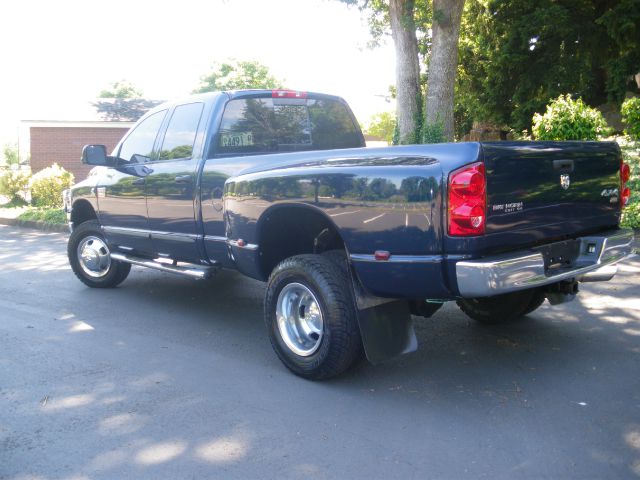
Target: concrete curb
47 227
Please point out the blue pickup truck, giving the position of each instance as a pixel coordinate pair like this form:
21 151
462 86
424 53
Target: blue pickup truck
351 241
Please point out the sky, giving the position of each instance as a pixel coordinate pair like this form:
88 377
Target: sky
56 56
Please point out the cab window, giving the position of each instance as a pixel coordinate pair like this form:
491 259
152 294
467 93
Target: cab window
181 132
267 125
138 146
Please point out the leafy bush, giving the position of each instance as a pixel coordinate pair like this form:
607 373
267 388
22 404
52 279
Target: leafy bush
47 186
51 216
631 216
631 117
569 119
631 155
433 133
13 184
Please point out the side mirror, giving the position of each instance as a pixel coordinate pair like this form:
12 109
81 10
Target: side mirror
96 155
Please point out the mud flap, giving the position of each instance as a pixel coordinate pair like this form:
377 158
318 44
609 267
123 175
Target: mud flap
387 331
386 326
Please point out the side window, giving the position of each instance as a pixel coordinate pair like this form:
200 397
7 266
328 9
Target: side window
138 146
181 132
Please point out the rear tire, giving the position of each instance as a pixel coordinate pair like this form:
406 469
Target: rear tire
90 258
536 302
311 318
497 309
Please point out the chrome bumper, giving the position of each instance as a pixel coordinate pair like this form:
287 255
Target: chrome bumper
526 269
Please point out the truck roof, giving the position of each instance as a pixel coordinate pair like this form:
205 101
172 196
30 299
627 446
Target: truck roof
247 93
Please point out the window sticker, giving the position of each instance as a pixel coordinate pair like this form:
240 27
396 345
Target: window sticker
236 139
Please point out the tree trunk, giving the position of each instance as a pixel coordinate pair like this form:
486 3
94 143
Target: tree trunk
443 64
403 31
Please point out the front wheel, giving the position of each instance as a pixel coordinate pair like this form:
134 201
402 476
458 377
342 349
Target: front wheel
311 318
90 258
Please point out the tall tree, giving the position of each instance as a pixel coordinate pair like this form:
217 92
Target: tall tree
516 55
121 89
403 32
123 102
443 63
401 19
237 74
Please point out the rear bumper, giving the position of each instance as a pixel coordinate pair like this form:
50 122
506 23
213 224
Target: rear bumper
526 269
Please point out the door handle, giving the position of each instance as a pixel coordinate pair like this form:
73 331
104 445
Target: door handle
183 179
138 181
563 165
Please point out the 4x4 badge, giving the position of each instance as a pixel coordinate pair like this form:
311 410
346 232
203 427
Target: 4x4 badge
565 181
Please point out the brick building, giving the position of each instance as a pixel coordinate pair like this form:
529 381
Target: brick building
61 142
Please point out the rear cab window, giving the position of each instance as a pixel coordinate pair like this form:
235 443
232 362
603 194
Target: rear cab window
260 125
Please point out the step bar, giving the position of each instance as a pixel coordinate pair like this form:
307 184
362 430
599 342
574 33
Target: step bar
189 270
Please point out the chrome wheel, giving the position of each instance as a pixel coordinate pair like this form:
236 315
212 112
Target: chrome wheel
94 257
299 319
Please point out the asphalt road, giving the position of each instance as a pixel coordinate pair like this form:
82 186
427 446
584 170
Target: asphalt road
166 377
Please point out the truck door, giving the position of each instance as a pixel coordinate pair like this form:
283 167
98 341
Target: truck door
171 187
121 197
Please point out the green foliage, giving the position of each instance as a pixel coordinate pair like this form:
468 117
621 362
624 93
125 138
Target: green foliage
123 102
11 154
124 109
621 22
48 184
121 89
382 125
396 135
631 154
516 55
237 74
433 133
49 216
14 184
631 117
569 119
462 120
631 216
377 14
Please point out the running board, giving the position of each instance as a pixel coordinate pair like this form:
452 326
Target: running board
193 271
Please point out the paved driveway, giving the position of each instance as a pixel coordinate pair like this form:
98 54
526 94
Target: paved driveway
165 377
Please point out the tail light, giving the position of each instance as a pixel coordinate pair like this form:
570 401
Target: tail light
287 94
467 201
625 174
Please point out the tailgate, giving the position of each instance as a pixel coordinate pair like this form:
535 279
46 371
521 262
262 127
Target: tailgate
551 189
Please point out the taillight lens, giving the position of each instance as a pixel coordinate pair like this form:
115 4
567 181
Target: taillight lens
467 201
625 174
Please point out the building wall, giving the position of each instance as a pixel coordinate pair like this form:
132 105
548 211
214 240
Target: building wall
63 145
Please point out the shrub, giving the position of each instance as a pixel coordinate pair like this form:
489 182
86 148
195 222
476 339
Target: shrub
631 216
13 184
48 184
49 216
433 133
631 117
569 119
